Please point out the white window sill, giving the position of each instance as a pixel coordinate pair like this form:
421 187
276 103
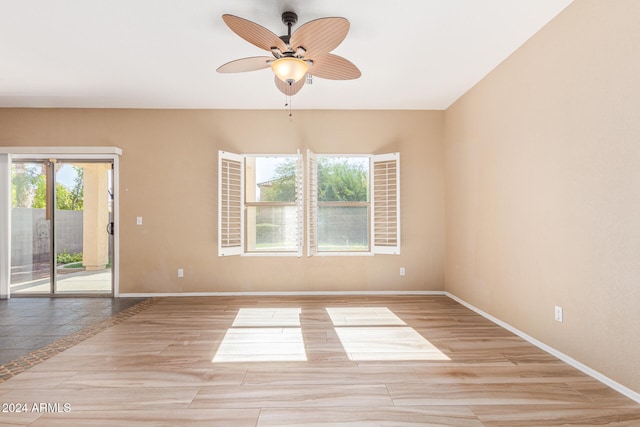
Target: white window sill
276 254
344 254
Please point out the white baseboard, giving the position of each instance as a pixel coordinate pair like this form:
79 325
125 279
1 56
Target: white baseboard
567 359
295 294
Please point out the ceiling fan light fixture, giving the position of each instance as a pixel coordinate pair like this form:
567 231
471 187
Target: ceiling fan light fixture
289 69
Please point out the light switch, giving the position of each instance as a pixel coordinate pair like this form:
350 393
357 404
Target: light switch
139 220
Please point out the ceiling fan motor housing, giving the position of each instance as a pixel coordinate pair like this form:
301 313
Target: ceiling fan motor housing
289 18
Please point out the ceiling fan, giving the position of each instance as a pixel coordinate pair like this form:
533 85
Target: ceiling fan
294 55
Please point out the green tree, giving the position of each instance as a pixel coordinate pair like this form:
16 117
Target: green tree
40 192
29 189
283 187
340 179
23 184
76 193
64 200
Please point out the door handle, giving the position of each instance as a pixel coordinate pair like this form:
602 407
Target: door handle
110 228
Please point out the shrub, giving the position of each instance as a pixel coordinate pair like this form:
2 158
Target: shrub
66 258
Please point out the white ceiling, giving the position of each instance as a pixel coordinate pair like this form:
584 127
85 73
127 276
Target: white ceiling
413 54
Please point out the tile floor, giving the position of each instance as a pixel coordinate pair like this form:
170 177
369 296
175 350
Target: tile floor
157 365
29 324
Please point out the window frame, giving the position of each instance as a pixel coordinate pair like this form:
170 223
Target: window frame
383 204
366 204
225 183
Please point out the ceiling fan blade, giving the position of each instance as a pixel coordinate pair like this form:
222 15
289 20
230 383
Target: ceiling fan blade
320 36
254 33
290 89
334 67
246 64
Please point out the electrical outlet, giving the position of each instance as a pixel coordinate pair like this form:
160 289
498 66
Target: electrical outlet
558 313
402 271
180 272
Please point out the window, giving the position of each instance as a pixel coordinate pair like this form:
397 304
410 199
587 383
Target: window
343 208
353 204
260 204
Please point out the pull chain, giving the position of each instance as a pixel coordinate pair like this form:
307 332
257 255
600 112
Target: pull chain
287 104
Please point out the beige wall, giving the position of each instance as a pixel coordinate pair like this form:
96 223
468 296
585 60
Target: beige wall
543 188
168 175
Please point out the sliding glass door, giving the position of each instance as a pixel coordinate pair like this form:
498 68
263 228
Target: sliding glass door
61 227
31 254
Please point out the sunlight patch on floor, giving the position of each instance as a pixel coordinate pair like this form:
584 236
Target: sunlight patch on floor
261 345
258 317
377 333
263 335
366 334
363 316
386 343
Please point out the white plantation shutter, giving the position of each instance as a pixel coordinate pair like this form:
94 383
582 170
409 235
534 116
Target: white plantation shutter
312 204
300 201
386 204
230 204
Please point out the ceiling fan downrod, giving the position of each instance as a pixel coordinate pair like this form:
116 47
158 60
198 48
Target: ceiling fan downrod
289 19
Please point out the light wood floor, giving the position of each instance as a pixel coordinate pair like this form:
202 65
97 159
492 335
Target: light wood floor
315 361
